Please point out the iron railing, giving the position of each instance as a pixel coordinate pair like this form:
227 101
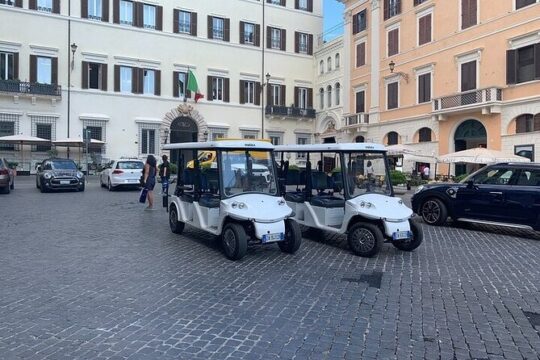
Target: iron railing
24 87
467 98
290 111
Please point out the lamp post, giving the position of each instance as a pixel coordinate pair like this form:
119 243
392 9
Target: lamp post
392 66
71 61
263 35
263 85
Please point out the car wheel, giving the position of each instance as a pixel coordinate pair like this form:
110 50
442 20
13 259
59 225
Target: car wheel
176 225
101 182
293 237
42 187
434 211
234 241
5 190
365 239
412 243
109 185
81 188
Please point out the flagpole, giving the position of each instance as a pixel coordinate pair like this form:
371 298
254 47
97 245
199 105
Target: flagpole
186 83
263 35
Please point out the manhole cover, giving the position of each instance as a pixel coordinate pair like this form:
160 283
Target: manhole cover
373 280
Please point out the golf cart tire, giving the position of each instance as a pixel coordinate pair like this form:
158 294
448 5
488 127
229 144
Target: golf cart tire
235 235
373 234
434 211
176 225
293 237
411 244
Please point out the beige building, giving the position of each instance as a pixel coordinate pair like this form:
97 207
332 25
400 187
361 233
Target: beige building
120 69
443 76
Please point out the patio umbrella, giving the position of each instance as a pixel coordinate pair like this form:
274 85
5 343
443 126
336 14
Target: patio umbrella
23 140
400 149
78 142
480 156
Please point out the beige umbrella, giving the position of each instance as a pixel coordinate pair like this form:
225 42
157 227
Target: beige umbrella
23 140
78 142
400 149
480 156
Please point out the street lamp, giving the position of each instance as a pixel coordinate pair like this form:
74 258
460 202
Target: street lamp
73 49
263 85
392 66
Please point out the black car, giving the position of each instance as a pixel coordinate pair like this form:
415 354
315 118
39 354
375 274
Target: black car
57 174
505 194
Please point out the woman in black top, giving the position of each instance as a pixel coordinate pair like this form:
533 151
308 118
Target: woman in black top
150 172
165 173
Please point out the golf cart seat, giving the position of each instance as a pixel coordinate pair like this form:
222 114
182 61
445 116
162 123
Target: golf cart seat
188 180
320 182
209 201
293 178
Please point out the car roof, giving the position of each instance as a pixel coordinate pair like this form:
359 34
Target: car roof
335 147
224 144
518 164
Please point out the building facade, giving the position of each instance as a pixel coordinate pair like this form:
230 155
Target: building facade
120 70
443 76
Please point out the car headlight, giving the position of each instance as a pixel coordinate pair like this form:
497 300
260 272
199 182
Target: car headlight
79 174
418 189
47 175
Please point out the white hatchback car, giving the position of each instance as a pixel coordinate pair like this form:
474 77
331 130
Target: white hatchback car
122 173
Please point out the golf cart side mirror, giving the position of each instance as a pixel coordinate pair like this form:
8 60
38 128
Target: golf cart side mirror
39 168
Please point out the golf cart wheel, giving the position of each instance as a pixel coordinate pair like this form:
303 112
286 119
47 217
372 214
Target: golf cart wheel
434 211
293 237
365 239
412 243
234 241
176 225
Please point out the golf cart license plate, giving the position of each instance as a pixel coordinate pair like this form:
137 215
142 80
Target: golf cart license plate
64 182
272 237
398 235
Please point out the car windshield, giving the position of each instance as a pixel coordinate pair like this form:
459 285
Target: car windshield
130 165
366 173
247 171
63 165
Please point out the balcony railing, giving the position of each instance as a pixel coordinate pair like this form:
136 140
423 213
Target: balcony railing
23 87
290 111
357 119
467 100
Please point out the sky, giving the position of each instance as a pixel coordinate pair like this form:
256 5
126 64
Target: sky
333 16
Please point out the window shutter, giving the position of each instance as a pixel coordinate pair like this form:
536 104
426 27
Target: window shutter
296 42
310 44
296 96
283 2
268 37
193 29
210 27
536 122
54 70
139 14
116 78
104 75
297 4
241 32
242 99
392 96
310 5
210 96
360 54
521 125
257 35
33 68
282 93
386 9
537 61
511 67
105 11
32 4
258 93
116 11
360 102
269 100
175 84
227 30
188 92
18 3
176 20
84 78
16 66
159 18
134 80
283 39
355 23
421 89
310 98
226 93
157 82
84 9
472 12
421 30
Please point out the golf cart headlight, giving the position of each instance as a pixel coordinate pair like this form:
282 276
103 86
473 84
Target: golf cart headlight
418 189
238 205
47 175
366 204
400 202
281 202
79 174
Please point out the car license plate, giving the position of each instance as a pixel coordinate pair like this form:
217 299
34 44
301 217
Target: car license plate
272 237
64 182
133 180
398 235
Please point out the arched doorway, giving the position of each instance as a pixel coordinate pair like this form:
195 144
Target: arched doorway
183 129
359 139
469 134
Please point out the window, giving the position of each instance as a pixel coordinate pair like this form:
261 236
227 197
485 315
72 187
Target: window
329 96
94 9
250 134
528 152
360 102
302 140
424 29
216 134
338 63
359 22
276 39
276 94
468 76
523 3
275 138
360 54
248 92
321 98
306 5
495 176
126 12
424 88
392 138
418 2
338 93
8 2
43 131
527 123
391 8
149 16
148 81
44 70
302 100
148 141
218 88
523 64
180 85
126 75
45 5
321 67
424 135
249 33
184 22
276 2
7 67
217 28
303 45
96 76
393 42
7 128
392 95
469 13
329 64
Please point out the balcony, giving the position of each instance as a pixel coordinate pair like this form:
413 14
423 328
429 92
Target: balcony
15 87
356 123
487 100
290 111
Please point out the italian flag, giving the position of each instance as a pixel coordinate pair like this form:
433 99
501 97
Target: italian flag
193 86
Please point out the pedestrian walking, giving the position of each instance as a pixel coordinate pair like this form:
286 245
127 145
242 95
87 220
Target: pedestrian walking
150 172
425 172
165 174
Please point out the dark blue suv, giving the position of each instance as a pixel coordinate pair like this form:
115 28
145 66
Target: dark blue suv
505 194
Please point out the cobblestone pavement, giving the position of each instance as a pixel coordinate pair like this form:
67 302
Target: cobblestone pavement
93 276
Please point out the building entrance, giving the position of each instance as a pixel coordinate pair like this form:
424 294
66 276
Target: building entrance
183 129
469 134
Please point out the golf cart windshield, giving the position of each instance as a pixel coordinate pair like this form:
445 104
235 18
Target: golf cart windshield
366 172
242 172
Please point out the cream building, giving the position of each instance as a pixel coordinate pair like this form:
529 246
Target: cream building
126 63
442 76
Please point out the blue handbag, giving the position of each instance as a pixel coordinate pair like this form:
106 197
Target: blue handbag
142 196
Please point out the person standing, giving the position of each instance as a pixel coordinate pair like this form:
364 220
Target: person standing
369 170
165 174
150 172
426 172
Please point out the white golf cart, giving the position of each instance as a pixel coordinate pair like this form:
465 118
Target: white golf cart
235 197
348 192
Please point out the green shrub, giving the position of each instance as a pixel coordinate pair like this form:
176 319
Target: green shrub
174 168
12 164
397 177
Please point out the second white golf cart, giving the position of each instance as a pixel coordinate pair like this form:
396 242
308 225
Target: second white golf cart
348 192
235 197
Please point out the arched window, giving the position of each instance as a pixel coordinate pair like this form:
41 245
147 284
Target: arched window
321 96
392 138
359 139
337 61
527 123
329 96
329 64
424 134
338 88
321 67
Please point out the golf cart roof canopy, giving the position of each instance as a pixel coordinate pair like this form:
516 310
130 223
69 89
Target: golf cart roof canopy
224 144
335 147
